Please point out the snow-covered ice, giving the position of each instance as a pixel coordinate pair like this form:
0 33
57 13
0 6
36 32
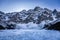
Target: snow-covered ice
29 34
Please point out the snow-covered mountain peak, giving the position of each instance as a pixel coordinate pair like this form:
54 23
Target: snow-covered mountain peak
37 15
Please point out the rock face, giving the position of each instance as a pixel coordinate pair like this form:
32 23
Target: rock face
53 26
36 15
1 27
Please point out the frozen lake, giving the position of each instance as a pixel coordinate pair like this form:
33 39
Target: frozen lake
29 35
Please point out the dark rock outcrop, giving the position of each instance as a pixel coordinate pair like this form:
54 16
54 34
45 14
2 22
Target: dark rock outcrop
1 27
55 26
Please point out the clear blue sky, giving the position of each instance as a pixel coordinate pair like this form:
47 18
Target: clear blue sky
18 5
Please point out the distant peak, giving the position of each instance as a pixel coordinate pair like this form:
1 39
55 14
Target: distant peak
37 8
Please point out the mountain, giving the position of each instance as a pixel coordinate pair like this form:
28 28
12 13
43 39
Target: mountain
53 25
38 16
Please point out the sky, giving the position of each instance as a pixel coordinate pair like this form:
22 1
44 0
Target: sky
19 5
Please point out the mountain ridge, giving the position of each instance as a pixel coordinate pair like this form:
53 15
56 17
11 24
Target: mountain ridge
36 15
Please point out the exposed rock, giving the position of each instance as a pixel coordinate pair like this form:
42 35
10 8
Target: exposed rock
36 15
53 26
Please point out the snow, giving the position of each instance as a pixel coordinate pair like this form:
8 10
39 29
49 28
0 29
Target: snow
29 34
29 25
7 18
32 25
54 17
21 26
41 25
24 17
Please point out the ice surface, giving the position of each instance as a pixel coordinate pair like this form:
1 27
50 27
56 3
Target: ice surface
29 35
